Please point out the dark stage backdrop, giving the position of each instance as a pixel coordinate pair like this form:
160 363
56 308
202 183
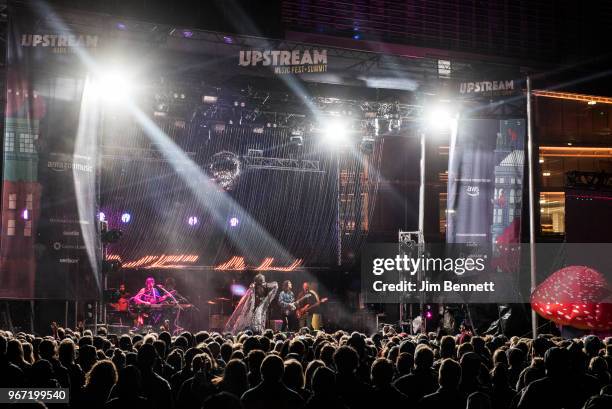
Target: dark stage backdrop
297 210
49 246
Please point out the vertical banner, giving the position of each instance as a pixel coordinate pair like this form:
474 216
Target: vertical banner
485 182
49 246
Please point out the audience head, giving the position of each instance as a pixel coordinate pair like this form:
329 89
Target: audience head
146 357
423 357
557 362
129 381
272 369
102 376
478 400
323 381
382 372
293 376
449 374
346 360
404 363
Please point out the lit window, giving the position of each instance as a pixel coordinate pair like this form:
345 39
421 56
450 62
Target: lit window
29 201
501 180
511 198
12 204
444 68
552 212
27 230
10 231
9 142
26 143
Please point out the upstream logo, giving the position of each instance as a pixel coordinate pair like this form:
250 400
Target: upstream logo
285 61
484 87
59 43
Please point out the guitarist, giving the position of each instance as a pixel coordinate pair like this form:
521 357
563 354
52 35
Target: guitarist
149 295
286 301
309 315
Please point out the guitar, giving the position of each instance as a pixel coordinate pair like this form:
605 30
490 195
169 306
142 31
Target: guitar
296 302
300 312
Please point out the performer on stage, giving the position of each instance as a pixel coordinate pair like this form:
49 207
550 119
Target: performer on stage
307 313
118 311
121 296
252 310
149 295
286 300
122 292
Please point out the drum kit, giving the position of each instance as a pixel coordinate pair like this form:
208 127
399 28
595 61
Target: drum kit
218 312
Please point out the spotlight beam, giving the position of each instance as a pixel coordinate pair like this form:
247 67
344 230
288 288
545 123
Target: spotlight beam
205 191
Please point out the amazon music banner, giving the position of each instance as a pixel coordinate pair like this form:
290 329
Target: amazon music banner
485 185
49 246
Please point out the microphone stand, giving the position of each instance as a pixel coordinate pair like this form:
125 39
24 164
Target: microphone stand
178 306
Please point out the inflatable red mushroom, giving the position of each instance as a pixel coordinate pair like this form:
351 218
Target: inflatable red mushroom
576 296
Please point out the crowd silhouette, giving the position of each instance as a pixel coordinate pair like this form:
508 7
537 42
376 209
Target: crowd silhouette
310 369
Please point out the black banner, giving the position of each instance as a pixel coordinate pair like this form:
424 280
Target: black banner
485 183
49 245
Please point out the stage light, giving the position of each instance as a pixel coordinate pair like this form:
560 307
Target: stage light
439 117
296 140
193 220
335 132
209 99
234 222
126 217
187 34
228 40
428 315
25 214
112 86
121 26
238 290
101 216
